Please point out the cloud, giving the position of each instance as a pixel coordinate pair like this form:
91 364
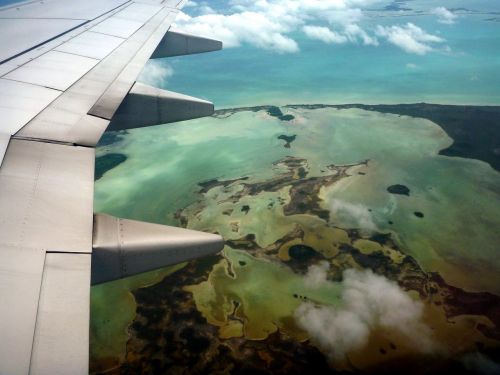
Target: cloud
324 34
271 24
351 33
235 29
317 274
369 302
444 15
267 24
156 73
411 66
355 33
355 214
409 38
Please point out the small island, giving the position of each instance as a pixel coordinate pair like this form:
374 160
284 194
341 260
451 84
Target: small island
288 139
399 189
276 112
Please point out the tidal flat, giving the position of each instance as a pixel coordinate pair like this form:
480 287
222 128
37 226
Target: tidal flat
327 192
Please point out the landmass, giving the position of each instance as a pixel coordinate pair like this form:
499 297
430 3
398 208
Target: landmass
234 312
208 311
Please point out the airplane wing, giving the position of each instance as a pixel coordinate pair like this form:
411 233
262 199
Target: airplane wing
67 72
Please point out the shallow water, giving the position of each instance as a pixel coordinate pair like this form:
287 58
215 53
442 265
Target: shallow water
458 197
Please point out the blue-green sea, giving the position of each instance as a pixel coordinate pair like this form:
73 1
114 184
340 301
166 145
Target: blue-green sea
353 73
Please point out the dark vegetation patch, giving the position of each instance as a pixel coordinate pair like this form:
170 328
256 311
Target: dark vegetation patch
276 112
106 162
209 184
288 139
302 253
418 214
399 189
301 257
182 342
108 138
381 238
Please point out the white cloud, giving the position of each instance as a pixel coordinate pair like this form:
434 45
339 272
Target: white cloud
354 214
351 33
246 27
444 15
317 274
156 73
269 24
409 38
324 34
411 66
369 302
354 32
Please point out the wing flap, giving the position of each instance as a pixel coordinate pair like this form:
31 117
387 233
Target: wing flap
61 341
46 196
4 142
20 278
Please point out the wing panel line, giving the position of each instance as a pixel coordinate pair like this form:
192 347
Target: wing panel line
61 34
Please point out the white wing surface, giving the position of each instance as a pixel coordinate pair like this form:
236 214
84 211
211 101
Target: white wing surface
68 70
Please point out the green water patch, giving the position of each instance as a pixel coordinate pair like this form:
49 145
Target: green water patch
168 162
112 309
475 130
254 297
458 196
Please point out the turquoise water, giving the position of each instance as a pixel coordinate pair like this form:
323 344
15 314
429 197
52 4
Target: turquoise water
352 73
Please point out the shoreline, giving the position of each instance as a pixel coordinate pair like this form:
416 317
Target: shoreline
474 129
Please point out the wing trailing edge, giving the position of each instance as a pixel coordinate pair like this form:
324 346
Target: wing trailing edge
124 248
146 106
179 44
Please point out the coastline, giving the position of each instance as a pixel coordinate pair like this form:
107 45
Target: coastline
473 128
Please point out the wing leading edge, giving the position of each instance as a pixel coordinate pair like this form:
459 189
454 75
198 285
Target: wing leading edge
66 73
